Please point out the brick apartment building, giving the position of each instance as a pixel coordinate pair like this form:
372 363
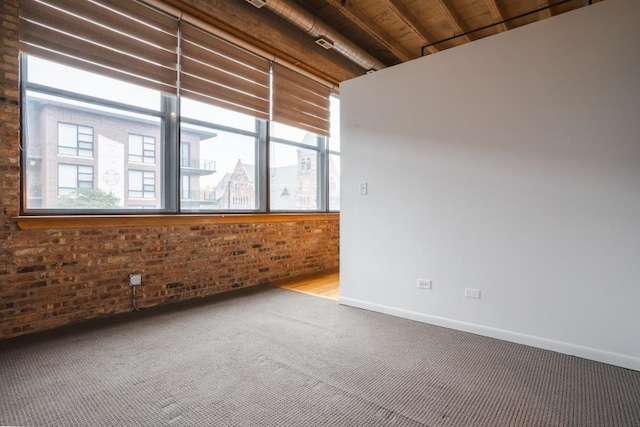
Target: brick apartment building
79 148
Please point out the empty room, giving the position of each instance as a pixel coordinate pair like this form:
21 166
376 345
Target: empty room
320 213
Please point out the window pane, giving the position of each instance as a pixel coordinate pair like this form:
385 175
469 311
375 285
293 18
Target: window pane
215 115
292 134
67 179
221 170
55 128
293 175
60 76
334 182
142 149
334 140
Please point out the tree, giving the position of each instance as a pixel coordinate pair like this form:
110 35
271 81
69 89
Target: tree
91 198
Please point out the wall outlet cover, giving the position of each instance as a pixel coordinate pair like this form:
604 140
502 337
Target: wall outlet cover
425 284
135 279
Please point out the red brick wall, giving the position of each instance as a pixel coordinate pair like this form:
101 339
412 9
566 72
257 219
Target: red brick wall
52 277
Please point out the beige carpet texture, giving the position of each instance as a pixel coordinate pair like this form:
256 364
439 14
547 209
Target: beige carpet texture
272 357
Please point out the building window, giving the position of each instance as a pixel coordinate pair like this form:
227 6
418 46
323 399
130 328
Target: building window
142 149
142 184
75 140
73 177
186 187
185 154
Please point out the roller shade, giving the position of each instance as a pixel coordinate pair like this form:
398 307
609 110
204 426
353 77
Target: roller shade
219 73
123 39
299 101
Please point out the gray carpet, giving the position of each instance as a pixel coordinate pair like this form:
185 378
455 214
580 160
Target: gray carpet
271 357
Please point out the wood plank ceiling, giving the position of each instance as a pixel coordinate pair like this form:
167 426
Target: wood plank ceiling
387 32
396 31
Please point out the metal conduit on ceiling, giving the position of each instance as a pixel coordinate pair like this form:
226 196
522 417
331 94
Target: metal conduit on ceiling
317 28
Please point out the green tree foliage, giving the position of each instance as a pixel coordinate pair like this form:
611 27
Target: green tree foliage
90 198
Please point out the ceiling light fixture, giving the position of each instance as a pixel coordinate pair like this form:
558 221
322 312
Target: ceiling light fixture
324 42
257 3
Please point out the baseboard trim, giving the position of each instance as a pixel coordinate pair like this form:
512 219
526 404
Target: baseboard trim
515 337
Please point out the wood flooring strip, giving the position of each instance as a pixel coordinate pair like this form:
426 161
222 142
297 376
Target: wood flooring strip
326 285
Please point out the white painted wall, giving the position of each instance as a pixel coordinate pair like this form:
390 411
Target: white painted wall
510 165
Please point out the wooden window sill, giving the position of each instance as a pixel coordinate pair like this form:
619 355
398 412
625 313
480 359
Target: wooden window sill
42 222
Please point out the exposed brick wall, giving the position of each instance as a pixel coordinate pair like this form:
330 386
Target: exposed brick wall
52 277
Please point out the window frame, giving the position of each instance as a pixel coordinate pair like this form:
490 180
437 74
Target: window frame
168 136
168 184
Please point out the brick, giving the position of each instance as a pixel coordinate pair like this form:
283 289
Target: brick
49 278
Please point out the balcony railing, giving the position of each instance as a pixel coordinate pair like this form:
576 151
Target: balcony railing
201 164
202 195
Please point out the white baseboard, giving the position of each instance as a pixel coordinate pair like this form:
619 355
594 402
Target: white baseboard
534 341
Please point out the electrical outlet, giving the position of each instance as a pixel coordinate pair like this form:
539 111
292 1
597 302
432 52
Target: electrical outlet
472 293
364 188
424 284
135 279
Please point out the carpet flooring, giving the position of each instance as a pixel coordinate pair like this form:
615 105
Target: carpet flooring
271 357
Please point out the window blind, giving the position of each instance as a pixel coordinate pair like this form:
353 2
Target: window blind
123 39
217 72
299 101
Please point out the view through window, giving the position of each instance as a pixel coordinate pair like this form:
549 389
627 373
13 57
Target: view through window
93 141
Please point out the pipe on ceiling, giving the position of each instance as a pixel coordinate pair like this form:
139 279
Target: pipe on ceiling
310 24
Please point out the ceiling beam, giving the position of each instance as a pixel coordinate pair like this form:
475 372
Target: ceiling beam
497 14
355 15
546 13
413 23
454 19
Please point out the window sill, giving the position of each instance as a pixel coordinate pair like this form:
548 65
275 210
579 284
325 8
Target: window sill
84 221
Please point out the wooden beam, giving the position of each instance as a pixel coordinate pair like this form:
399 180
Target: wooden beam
413 23
497 14
544 14
355 15
454 19
100 221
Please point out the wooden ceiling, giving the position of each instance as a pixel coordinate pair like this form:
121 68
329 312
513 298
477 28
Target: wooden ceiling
391 31
396 31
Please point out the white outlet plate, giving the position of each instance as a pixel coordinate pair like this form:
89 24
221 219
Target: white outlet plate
425 284
364 188
472 293
135 279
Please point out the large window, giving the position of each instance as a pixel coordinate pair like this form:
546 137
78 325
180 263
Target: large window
112 124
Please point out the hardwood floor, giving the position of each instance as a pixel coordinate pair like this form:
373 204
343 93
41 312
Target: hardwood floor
326 285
